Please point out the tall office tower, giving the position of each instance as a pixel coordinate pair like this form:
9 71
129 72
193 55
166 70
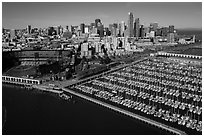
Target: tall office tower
58 29
82 27
107 32
171 29
96 22
119 30
130 24
12 34
142 34
115 25
153 26
158 32
100 30
29 29
86 29
72 29
146 32
164 31
51 31
122 28
111 28
67 28
136 27
94 30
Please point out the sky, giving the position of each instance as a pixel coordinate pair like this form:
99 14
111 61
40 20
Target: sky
19 15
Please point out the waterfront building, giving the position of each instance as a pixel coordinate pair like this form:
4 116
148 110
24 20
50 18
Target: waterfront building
130 24
136 27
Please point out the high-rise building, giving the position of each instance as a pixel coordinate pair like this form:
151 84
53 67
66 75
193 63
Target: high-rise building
142 34
171 29
152 34
159 32
115 25
58 29
153 26
164 31
86 29
12 34
67 28
146 32
111 28
82 27
130 24
100 30
29 29
107 32
170 38
136 27
122 28
51 31
72 29
96 22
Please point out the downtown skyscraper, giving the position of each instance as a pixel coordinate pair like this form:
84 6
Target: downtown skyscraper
130 25
137 27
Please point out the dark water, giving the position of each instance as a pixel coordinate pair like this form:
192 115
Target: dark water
191 32
33 113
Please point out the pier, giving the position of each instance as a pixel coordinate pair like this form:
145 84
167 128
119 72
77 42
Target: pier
125 112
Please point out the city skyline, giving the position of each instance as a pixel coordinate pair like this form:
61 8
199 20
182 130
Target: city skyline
181 15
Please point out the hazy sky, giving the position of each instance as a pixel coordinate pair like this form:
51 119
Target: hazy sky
19 15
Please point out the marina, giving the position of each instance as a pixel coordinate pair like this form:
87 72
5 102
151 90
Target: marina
102 68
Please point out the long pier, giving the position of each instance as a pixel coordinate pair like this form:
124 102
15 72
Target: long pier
136 116
20 81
